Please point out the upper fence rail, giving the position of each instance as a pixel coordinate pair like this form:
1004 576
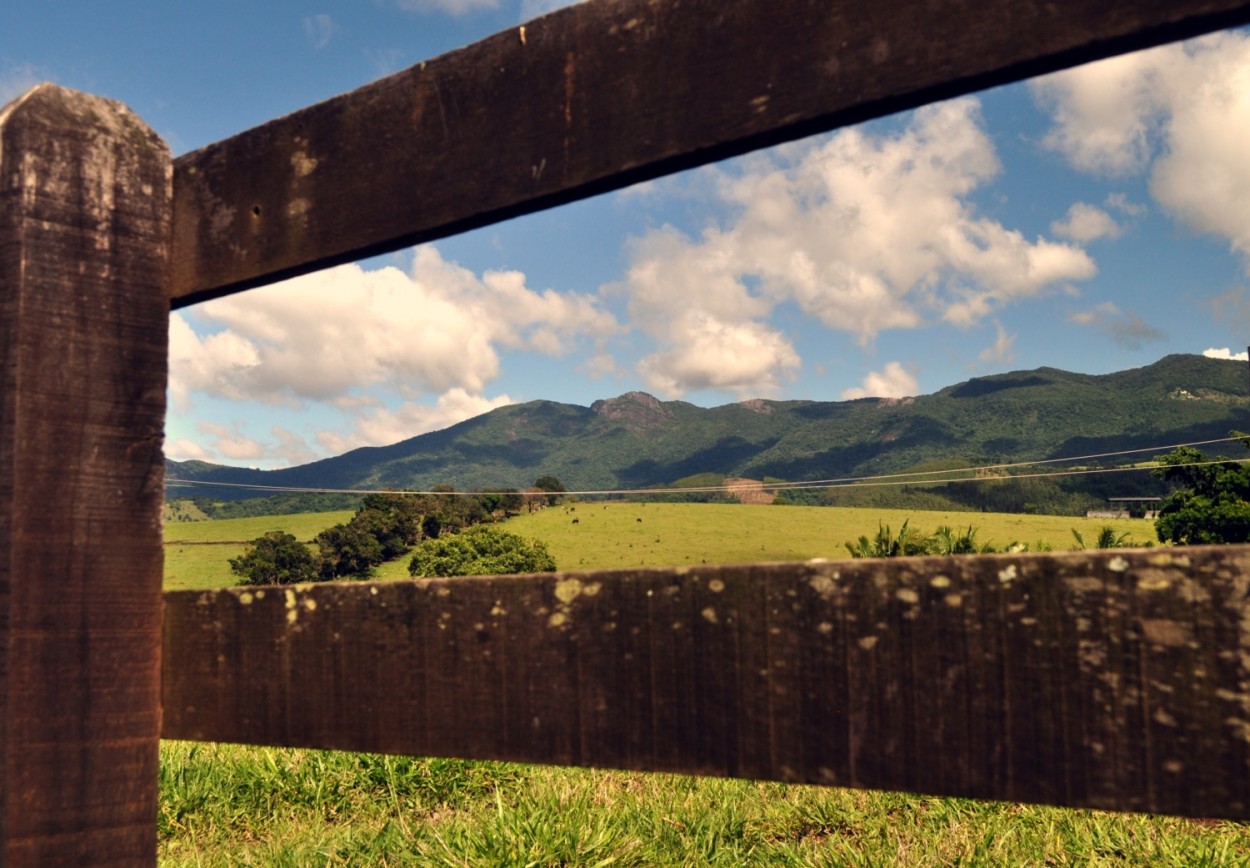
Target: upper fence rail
600 96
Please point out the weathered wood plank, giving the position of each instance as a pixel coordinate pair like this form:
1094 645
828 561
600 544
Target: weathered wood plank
1109 680
603 95
85 192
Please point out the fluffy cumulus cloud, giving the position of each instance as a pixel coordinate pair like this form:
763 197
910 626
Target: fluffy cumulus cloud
1085 223
230 441
1226 353
385 426
862 232
893 382
344 336
1180 113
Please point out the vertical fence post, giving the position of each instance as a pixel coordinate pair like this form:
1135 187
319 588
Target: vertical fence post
85 192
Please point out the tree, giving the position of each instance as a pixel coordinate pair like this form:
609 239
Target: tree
1212 502
277 558
347 550
480 551
553 486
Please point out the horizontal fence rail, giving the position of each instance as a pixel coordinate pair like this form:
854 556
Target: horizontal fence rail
1107 680
599 96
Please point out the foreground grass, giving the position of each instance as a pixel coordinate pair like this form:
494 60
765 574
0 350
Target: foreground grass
229 805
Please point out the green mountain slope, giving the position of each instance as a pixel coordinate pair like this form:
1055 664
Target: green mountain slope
636 441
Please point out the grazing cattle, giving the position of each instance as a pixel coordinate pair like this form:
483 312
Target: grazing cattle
576 520
638 520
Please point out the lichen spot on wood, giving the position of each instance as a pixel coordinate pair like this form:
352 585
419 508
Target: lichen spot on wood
908 596
1008 574
709 615
823 584
245 598
940 582
1154 582
1117 564
716 586
868 642
568 590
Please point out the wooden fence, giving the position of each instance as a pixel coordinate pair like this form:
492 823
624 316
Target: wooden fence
1116 680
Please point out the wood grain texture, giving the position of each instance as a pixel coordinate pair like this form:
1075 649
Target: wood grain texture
1108 680
85 192
600 96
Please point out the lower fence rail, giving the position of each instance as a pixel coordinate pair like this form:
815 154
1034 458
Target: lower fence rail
1116 680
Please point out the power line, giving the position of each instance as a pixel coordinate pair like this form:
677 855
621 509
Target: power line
882 480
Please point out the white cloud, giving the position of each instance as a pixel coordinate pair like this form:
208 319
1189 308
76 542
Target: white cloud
747 358
451 7
186 450
363 341
1002 351
320 29
1225 353
330 335
862 232
385 426
1085 223
1181 112
292 448
1105 113
893 382
230 441
1120 203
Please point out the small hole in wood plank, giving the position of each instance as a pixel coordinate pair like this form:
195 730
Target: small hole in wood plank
255 210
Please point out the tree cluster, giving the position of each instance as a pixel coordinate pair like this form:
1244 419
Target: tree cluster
387 526
1211 503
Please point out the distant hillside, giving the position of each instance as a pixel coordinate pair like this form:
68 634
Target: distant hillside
637 441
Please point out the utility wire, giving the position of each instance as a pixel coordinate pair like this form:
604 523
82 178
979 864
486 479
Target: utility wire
883 480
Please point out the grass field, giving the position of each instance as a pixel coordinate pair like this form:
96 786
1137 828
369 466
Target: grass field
233 805
652 534
198 553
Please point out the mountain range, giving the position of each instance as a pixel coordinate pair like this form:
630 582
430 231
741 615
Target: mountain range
638 441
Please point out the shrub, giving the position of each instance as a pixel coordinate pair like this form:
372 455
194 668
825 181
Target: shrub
481 550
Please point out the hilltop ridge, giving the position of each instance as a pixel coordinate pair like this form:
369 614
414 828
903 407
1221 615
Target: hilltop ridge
637 440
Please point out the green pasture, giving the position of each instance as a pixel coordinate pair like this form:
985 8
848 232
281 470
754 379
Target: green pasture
616 534
198 553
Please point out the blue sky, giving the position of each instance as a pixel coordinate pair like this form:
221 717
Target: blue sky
1094 221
